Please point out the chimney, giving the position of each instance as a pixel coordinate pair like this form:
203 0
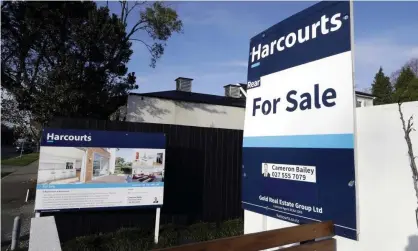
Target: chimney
233 91
184 84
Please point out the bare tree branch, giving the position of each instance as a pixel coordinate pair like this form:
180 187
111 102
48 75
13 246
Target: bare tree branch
146 45
135 28
128 11
407 130
412 157
122 7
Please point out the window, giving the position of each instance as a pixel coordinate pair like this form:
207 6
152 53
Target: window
358 103
69 165
100 165
159 158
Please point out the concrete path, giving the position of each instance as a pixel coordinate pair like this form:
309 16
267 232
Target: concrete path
13 194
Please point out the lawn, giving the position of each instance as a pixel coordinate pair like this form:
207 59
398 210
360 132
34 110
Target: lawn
140 239
23 161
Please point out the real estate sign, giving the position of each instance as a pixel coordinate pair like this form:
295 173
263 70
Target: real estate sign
99 169
298 147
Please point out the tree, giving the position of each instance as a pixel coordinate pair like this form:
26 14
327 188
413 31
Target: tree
408 127
413 90
406 88
69 58
157 20
381 88
412 64
7 135
119 161
21 121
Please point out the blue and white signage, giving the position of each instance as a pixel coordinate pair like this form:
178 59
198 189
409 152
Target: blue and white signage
99 169
298 147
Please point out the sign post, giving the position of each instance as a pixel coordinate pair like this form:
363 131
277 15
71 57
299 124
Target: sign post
299 132
157 224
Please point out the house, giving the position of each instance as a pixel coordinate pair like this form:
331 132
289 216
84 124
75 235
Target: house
364 99
184 107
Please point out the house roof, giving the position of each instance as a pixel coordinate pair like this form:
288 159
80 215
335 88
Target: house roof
182 78
244 86
364 94
195 98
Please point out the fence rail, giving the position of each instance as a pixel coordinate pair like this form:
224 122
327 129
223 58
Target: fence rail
305 234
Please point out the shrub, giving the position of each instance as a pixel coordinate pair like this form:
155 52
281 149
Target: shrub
140 239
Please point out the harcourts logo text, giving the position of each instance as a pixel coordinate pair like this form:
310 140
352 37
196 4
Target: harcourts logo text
301 36
51 137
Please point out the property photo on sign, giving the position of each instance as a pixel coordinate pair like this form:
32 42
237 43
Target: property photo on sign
77 165
94 169
298 146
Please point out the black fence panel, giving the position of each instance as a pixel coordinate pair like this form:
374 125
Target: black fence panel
202 179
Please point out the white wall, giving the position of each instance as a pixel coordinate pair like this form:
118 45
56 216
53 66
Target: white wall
155 110
52 163
162 111
365 101
60 154
112 160
51 175
386 195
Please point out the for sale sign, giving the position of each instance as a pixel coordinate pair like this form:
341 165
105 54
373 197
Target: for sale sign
298 147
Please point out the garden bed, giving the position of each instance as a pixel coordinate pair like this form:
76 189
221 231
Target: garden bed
140 239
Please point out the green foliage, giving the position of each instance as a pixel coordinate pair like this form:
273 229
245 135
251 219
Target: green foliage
170 235
162 22
382 88
412 90
69 59
157 20
64 59
21 121
406 86
412 64
23 161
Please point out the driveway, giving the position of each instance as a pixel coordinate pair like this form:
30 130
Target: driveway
13 195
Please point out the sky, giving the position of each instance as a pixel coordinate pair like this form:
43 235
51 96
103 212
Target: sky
214 46
126 153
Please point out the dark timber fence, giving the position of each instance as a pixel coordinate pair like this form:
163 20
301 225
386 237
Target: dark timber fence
203 179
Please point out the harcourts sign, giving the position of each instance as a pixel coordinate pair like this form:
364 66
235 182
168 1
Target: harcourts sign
51 137
89 169
298 147
322 27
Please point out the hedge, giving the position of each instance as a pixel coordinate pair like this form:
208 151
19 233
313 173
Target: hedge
141 239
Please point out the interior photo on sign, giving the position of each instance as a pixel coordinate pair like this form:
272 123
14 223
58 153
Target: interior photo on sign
77 165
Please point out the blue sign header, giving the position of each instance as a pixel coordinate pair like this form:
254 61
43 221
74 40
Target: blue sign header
320 31
109 139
